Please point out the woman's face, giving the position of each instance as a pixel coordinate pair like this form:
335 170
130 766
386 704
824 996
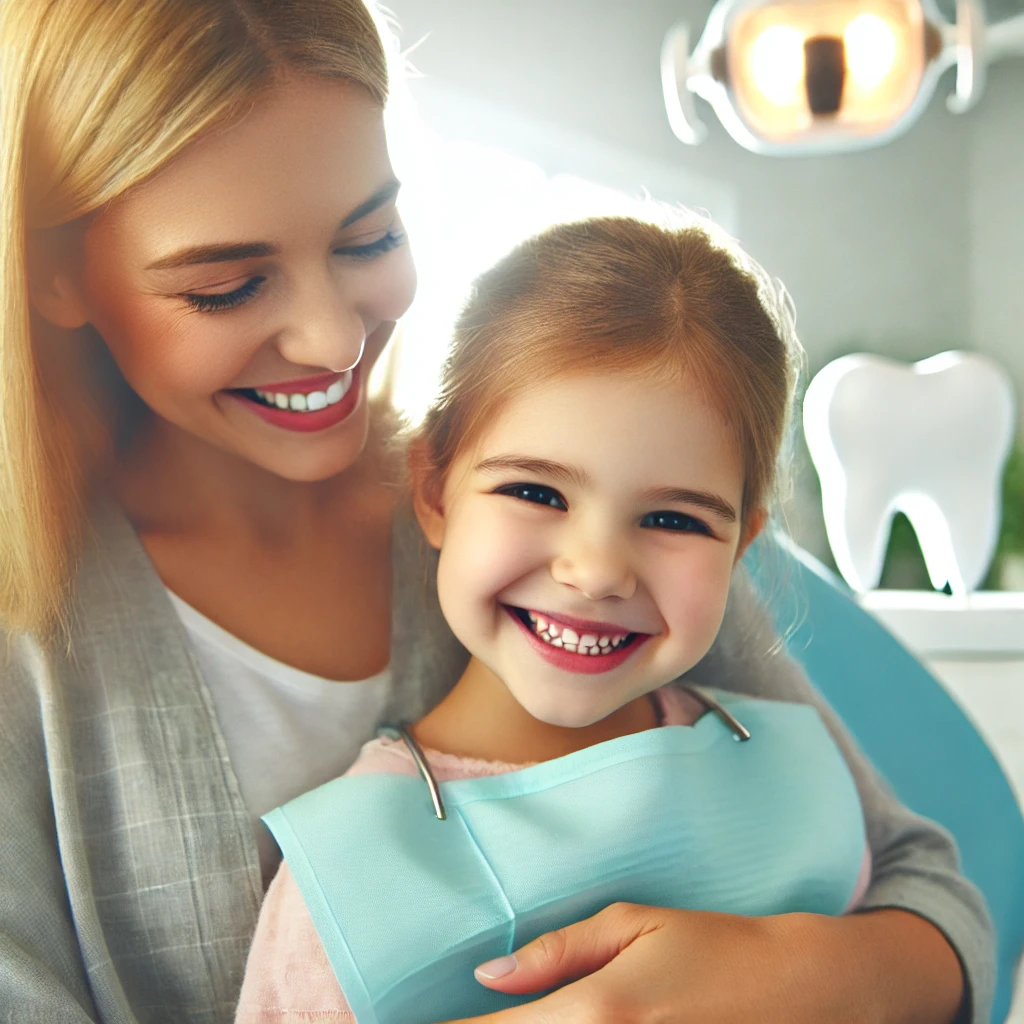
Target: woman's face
246 289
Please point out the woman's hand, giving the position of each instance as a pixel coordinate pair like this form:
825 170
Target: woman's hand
641 965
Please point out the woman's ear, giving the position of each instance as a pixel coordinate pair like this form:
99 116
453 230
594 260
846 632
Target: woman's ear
53 283
755 523
427 495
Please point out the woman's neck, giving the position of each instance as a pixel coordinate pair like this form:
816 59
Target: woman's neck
169 481
300 571
481 719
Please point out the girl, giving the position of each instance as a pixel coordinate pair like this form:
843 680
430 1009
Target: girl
601 455
208 603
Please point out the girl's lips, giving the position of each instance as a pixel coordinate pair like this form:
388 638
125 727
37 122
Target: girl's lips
568 661
580 624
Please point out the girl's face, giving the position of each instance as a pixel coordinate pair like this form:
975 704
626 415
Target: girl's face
587 542
246 289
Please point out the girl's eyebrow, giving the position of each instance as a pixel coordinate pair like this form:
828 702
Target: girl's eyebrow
525 464
231 251
707 500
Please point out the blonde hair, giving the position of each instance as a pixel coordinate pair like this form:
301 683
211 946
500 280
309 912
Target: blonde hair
622 296
95 96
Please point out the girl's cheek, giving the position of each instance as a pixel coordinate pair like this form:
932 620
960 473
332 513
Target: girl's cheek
693 595
490 550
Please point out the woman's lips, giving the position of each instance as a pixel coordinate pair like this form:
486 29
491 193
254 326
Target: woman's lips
304 422
321 382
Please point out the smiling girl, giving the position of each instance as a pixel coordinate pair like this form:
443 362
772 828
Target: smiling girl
208 592
602 455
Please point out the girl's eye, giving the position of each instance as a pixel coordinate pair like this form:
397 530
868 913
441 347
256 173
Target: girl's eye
536 494
388 241
678 522
218 301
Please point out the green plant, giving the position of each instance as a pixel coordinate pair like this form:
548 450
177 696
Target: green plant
904 564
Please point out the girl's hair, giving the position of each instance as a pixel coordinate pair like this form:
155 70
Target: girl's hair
624 296
95 96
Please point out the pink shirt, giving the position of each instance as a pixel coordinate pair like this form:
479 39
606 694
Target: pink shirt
288 978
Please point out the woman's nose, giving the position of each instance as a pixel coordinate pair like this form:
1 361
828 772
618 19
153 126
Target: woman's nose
325 328
598 567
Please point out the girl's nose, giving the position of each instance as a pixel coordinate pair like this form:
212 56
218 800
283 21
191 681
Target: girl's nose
596 568
325 328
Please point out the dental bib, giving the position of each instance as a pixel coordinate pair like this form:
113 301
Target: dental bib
407 904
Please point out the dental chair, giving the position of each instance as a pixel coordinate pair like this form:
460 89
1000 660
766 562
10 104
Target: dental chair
910 728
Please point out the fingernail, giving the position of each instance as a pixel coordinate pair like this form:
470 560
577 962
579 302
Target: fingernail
497 968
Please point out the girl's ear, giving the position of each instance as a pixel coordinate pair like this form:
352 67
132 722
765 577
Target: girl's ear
756 519
53 287
427 488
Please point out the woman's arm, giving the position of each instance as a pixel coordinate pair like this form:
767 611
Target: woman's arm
915 865
42 977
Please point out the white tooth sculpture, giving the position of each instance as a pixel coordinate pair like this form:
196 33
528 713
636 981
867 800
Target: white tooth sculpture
929 440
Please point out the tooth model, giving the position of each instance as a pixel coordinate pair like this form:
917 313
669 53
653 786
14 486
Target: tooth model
929 440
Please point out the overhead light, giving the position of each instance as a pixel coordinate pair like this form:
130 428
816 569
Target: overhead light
806 76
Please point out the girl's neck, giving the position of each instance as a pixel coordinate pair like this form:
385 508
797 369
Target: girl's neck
481 719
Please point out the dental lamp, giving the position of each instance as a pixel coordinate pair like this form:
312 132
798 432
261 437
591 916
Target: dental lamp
823 76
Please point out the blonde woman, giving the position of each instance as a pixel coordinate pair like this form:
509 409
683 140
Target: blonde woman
210 589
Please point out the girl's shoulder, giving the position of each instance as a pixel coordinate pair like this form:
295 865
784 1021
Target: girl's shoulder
389 756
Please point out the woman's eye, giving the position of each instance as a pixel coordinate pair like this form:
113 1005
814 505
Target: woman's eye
536 494
679 522
219 301
388 241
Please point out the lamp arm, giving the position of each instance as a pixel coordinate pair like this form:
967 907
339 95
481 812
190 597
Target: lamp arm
676 68
1005 38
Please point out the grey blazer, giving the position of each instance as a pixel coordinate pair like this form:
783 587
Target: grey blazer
129 878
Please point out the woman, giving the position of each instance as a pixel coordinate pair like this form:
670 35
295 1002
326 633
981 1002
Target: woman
202 260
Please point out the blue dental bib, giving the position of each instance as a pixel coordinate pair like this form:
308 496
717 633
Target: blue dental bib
407 905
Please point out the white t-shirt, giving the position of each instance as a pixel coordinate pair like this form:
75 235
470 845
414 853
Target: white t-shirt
287 731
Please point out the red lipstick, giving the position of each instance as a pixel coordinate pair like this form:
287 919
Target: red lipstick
305 422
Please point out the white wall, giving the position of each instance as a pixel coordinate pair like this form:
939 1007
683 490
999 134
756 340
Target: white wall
996 221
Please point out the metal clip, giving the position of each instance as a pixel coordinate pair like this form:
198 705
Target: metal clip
739 730
400 732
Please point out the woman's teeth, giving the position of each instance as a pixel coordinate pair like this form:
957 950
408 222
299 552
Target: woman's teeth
569 640
313 401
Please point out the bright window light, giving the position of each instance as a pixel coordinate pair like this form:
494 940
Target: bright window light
464 208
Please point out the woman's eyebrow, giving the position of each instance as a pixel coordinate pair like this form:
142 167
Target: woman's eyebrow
231 251
385 194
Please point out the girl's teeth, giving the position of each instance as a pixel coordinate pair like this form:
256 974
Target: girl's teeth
314 401
570 640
